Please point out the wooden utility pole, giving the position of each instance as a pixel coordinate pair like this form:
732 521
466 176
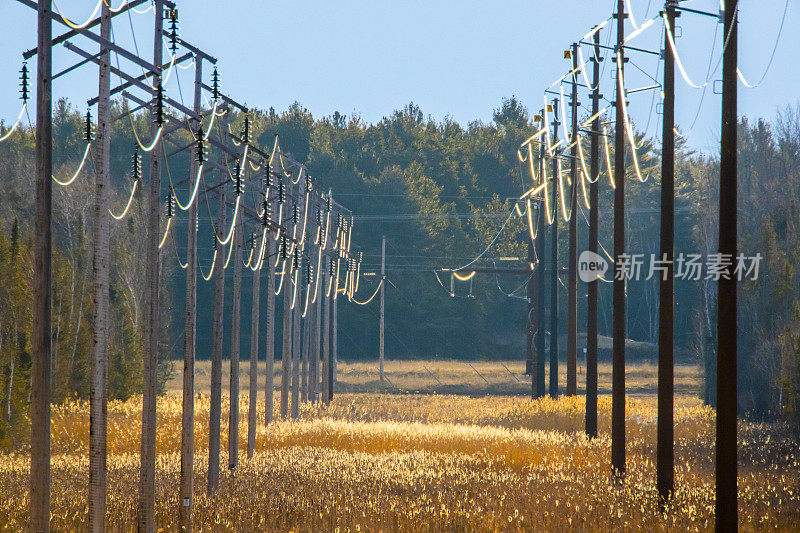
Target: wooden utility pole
591 308
618 343
42 288
334 343
311 323
304 363
665 475
727 401
286 357
305 369
315 334
533 311
383 288
572 279
236 322
186 501
554 264
540 280
254 316
98 421
298 297
269 382
216 349
326 337
313 330
147 476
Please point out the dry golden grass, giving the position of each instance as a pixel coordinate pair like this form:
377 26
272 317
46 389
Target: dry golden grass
419 462
457 377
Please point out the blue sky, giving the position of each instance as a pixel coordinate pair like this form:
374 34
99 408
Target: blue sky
452 58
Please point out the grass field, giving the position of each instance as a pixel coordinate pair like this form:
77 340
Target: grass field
381 457
473 378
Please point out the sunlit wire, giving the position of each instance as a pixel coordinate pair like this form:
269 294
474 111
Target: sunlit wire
77 172
16 123
127 205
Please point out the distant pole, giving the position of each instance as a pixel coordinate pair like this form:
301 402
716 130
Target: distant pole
254 317
298 263
269 382
383 288
286 357
42 295
533 310
98 421
313 312
554 266
540 327
313 364
591 314
185 503
215 412
305 353
326 338
664 447
572 281
147 477
295 411
618 344
236 321
334 343
305 363
727 401
315 335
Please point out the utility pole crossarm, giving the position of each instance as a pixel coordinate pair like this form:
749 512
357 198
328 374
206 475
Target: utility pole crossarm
73 32
140 78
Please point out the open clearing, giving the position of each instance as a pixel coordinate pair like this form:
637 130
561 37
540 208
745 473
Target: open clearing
488 459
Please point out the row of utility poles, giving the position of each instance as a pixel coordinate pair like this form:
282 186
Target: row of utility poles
726 353
726 445
312 260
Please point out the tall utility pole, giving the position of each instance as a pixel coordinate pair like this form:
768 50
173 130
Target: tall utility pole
591 311
540 318
236 320
215 411
665 481
383 288
554 265
618 327
98 421
254 316
727 401
147 476
185 503
572 282
42 295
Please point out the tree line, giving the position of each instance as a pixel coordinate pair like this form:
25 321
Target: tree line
440 192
